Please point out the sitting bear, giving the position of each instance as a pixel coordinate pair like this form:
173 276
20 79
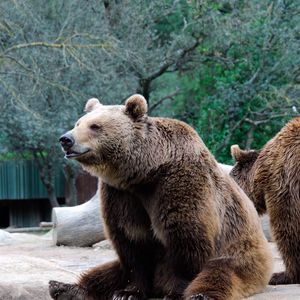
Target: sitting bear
181 228
271 178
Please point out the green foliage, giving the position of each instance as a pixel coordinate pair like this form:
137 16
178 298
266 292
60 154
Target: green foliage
245 86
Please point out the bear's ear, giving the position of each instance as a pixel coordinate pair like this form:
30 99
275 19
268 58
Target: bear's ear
136 106
236 153
91 104
240 155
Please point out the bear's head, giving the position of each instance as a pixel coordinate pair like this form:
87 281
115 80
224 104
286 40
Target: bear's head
105 133
245 160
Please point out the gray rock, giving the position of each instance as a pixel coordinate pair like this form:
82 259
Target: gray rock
279 292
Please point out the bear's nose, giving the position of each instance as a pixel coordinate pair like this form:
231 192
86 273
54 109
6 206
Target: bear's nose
67 141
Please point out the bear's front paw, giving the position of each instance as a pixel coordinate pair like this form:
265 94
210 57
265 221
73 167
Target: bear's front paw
65 291
199 297
280 278
129 295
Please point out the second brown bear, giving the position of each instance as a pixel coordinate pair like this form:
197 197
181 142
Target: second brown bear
271 178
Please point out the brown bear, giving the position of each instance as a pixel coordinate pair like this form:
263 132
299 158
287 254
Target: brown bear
181 228
271 178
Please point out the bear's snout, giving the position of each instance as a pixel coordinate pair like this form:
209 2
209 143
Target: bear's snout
67 141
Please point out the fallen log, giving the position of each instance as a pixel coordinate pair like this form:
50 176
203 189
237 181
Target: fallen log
225 168
265 222
79 225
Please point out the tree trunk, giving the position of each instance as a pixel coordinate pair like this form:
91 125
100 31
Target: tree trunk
46 173
144 88
71 194
52 196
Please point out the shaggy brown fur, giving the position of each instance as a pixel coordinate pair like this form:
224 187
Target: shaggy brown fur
271 179
182 228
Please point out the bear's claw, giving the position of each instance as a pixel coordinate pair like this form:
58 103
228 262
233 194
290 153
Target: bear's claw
279 278
128 295
65 291
200 297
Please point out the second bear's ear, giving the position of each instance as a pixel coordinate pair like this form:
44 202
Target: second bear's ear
240 155
92 104
136 106
236 153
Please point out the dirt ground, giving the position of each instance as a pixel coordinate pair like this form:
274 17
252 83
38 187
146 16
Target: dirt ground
28 262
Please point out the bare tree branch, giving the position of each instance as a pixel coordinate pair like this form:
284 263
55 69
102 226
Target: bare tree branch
169 62
105 46
229 135
161 100
268 120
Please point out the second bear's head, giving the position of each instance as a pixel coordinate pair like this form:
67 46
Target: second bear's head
244 162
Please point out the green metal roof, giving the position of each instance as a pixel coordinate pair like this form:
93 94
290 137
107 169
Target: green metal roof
19 179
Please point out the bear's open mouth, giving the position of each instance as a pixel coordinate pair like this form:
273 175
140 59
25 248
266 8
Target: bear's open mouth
74 154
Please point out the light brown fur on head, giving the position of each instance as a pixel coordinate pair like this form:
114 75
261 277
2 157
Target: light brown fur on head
136 106
92 104
243 156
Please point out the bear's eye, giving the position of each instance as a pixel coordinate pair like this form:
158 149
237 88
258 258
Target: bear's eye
95 127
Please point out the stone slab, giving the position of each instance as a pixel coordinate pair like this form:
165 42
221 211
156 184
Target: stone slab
28 262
